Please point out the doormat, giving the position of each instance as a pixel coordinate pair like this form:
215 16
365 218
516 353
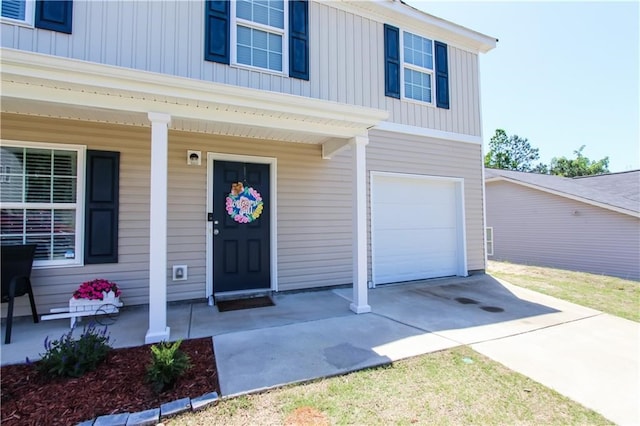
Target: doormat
246 303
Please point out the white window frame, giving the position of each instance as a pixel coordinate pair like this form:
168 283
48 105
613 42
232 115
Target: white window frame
29 15
284 32
489 240
430 72
81 151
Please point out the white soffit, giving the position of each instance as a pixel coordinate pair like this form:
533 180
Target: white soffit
67 88
396 12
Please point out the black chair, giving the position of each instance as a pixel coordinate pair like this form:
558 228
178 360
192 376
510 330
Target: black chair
16 271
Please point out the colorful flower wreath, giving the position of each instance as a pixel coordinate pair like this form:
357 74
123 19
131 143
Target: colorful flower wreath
244 205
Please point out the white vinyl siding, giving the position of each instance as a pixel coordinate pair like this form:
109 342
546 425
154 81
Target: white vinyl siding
346 57
538 228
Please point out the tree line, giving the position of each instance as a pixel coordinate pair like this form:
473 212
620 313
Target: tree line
516 153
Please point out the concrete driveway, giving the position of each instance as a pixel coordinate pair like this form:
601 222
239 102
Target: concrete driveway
588 356
584 354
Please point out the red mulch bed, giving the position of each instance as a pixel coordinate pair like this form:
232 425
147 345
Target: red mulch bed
117 386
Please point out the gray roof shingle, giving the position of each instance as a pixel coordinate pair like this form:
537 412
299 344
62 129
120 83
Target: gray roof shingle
619 190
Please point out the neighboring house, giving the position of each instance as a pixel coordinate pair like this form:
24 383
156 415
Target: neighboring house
589 224
275 145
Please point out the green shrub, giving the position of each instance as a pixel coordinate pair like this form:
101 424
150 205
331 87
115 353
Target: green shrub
168 363
72 358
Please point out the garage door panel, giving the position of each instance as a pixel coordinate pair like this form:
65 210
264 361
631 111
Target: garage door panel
396 186
415 228
440 259
406 242
420 217
400 270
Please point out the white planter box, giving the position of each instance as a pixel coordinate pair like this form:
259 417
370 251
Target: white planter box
79 308
109 304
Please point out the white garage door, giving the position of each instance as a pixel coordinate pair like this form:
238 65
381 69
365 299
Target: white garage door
417 227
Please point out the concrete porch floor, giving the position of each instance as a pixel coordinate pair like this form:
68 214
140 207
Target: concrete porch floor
584 354
187 320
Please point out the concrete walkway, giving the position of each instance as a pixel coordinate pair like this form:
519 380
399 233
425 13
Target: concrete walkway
592 358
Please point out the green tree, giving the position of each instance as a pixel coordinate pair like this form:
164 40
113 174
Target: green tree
579 166
512 153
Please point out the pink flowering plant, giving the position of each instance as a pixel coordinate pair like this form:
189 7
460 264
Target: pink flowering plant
93 290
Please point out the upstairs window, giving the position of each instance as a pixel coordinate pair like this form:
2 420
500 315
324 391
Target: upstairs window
260 33
418 67
415 67
53 15
18 10
268 34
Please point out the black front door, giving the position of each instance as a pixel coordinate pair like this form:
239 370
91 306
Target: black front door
241 205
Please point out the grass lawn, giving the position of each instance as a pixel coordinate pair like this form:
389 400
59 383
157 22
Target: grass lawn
457 386
612 295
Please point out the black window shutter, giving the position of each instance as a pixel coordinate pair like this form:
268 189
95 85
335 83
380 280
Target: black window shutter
54 15
391 61
299 39
442 76
101 207
216 31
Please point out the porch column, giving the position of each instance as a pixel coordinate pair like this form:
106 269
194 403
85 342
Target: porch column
158 330
359 304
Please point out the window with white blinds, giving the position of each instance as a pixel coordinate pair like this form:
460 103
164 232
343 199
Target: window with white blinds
40 199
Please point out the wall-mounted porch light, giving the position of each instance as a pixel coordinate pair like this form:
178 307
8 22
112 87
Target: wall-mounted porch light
194 158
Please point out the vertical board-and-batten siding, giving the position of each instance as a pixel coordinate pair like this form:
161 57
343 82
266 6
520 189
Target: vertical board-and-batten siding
314 210
391 152
346 56
538 228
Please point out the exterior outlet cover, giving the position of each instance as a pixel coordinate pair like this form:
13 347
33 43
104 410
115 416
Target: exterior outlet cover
179 272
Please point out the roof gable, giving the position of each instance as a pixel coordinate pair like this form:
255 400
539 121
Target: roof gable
397 12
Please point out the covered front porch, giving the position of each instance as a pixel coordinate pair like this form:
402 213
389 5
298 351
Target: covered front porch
59 88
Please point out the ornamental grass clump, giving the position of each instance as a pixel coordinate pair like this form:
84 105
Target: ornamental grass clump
168 363
69 357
